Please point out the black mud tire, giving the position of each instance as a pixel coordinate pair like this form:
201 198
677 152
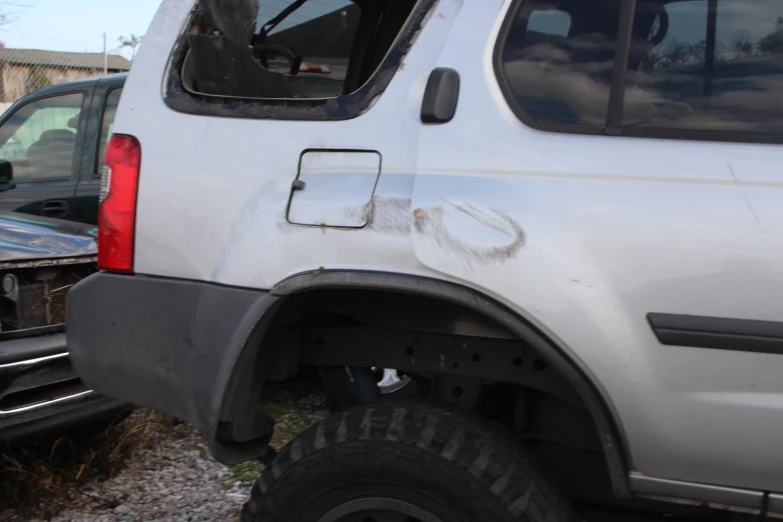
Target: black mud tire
455 466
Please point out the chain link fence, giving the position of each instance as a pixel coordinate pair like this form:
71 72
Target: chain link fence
23 71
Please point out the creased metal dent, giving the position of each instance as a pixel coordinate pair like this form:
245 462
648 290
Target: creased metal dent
430 223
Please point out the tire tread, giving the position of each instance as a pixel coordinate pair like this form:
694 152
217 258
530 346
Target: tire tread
506 477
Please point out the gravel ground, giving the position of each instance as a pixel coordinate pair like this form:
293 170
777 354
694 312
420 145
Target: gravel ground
167 476
175 480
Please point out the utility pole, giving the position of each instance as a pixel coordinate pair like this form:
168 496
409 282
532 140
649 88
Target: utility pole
105 56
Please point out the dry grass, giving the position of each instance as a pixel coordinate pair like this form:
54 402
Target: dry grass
44 477
294 409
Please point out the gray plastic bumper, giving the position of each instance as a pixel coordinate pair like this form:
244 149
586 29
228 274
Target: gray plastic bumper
186 348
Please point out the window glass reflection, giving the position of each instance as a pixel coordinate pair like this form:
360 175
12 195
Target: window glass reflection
707 65
559 57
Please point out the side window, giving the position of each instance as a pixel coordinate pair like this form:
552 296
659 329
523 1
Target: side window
708 66
289 49
107 124
558 58
323 34
39 139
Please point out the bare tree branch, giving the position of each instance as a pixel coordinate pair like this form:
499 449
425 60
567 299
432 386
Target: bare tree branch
10 10
131 41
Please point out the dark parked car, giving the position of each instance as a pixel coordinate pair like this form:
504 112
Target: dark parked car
40 260
54 138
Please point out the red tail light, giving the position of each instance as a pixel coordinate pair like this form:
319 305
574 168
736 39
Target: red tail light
117 214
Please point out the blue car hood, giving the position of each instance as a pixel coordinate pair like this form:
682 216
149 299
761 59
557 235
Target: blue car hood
27 238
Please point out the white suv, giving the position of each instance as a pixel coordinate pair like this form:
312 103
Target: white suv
563 219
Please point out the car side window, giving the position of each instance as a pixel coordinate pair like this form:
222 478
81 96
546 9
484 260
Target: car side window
299 53
323 34
697 69
107 124
558 59
298 59
707 66
40 138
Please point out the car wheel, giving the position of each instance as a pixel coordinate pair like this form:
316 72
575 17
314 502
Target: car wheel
387 462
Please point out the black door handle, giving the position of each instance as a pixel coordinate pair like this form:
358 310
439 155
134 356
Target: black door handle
55 208
440 96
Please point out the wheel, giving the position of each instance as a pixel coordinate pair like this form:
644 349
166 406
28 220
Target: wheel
403 462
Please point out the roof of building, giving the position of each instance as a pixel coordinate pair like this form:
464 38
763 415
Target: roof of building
62 59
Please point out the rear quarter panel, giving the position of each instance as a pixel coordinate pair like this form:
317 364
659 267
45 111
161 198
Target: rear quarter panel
214 192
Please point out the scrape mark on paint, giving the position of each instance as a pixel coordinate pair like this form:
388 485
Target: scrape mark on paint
430 222
391 215
384 215
357 213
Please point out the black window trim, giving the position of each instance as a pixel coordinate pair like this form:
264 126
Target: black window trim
345 107
80 129
622 54
96 167
613 126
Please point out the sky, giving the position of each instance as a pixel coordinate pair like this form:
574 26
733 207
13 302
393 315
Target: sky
78 25
74 25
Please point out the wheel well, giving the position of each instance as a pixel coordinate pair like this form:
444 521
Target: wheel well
463 348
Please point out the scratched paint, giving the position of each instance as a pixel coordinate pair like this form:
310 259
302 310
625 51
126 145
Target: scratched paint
473 232
383 215
391 216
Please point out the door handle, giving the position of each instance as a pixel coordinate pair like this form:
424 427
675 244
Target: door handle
55 208
440 96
